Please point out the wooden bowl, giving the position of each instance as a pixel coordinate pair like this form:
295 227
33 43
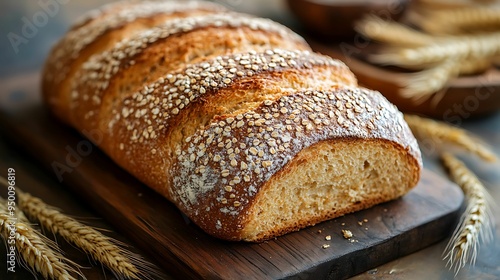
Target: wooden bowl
333 19
465 97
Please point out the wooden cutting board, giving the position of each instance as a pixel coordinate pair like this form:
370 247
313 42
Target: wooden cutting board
380 234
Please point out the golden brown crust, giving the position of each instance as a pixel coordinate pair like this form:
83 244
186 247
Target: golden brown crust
213 110
223 167
161 112
99 31
143 58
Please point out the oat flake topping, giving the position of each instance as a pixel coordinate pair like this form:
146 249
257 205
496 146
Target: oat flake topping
253 146
156 103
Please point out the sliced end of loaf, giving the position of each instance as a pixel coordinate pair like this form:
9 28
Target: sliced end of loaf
293 162
328 180
99 31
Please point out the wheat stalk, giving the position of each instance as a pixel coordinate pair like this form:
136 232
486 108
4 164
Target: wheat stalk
123 263
470 67
457 47
422 85
475 223
38 253
440 58
391 32
443 4
424 128
456 21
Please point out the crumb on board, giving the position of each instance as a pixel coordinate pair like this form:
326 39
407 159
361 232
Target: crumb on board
363 221
328 237
347 233
343 224
325 246
319 231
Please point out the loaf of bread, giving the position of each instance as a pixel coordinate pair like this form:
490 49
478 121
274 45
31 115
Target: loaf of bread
230 117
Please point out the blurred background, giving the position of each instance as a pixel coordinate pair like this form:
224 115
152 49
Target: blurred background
467 93
353 31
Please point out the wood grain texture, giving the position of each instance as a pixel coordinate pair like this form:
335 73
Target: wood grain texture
394 229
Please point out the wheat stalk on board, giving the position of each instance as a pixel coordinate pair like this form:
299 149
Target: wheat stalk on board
424 128
34 251
475 223
108 251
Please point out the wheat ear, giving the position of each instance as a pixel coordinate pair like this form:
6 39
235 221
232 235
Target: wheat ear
457 47
470 67
391 32
443 4
38 253
424 128
420 86
123 263
475 223
456 21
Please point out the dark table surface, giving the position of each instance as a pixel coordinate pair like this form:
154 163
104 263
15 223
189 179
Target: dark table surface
20 64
